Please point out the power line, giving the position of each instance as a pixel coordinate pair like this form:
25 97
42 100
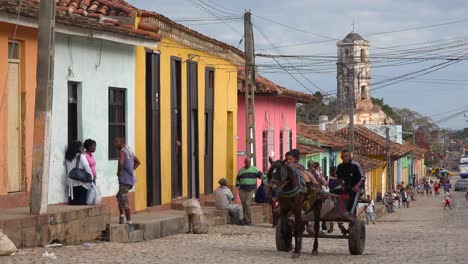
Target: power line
417 28
210 12
296 29
271 44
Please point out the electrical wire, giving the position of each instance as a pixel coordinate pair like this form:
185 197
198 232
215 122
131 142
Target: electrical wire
210 12
303 76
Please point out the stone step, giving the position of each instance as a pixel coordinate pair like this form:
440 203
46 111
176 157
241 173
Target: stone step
120 234
150 226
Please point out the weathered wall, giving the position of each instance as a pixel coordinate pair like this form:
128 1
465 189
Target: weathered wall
224 163
28 53
82 60
278 112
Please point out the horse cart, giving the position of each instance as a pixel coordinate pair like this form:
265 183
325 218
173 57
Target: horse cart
332 210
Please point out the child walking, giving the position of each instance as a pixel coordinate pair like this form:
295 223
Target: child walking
447 200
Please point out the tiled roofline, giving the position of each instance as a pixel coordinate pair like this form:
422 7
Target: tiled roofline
192 38
73 24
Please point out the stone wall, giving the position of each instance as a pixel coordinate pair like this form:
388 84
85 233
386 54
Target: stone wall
64 223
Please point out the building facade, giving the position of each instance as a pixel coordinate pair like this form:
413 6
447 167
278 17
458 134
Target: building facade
93 95
275 120
186 113
18 55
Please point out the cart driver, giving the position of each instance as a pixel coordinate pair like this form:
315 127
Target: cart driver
352 174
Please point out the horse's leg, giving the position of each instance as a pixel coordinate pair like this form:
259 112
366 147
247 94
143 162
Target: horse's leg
317 209
283 215
298 231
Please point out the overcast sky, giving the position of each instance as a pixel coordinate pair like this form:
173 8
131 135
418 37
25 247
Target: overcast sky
432 94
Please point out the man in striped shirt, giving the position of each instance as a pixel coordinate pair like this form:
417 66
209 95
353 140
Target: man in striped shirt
246 183
353 176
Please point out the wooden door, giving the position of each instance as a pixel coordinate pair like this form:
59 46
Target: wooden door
192 125
176 127
153 128
209 126
14 121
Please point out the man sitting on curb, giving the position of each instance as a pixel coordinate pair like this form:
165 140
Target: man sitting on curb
224 198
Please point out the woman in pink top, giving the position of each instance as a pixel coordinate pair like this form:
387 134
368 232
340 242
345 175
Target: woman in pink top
90 147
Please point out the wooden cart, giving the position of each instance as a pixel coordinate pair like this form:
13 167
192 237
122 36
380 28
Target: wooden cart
334 208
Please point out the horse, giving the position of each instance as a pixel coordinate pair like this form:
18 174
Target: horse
284 183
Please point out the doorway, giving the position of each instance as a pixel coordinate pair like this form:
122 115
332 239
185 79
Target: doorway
192 144
72 111
153 126
176 127
209 120
14 117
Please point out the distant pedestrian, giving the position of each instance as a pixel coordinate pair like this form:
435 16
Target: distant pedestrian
404 197
246 182
447 186
77 191
224 198
370 209
388 202
447 200
412 194
396 197
128 162
436 189
90 147
427 188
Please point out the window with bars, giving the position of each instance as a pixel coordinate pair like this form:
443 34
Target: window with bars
267 147
117 118
281 146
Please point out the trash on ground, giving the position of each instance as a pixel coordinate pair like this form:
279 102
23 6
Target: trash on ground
54 245
7 247
49 255
88 245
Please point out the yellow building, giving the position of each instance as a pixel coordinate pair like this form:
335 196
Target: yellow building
186 113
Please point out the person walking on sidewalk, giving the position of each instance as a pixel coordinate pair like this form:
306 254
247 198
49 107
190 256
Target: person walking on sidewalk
128 162
246 183
404 197
370 209
447 200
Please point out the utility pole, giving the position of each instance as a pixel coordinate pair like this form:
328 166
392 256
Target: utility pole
249 87
351 116
43 108
389 160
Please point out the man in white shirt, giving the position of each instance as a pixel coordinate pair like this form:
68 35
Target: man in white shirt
370 210
224 198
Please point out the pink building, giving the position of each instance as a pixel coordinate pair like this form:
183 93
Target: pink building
275 120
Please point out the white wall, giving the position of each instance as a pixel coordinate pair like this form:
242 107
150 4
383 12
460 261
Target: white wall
116 69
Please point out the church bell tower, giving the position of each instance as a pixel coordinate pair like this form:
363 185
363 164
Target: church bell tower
353 71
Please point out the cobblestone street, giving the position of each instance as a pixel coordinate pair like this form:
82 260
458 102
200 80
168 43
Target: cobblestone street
424 233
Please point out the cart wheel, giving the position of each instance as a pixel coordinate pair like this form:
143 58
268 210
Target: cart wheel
357 237
283 241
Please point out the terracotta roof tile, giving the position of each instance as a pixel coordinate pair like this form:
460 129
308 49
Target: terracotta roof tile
87 14
372 144
322 138
267 87
417 151
367 163
306 149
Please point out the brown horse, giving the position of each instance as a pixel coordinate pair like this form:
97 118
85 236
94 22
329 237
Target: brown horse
284 184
